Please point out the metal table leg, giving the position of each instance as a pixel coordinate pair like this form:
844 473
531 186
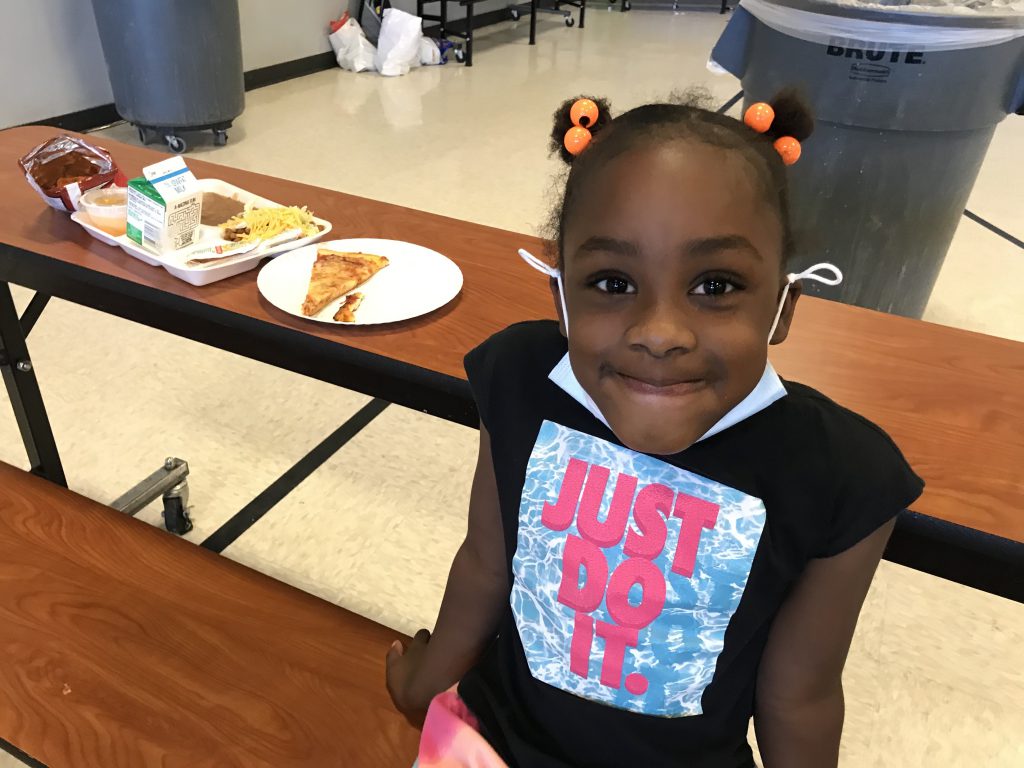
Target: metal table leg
469 34
23 389
171 482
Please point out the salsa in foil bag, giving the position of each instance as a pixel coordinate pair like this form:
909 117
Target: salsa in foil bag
62 168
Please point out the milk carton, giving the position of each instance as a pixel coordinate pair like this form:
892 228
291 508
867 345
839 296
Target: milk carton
164 206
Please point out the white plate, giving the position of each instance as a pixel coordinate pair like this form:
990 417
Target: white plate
416 281
176 261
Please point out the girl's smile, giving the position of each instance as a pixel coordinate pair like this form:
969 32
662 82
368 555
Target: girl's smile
657 385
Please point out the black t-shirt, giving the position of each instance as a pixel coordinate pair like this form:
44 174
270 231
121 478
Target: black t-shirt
643 588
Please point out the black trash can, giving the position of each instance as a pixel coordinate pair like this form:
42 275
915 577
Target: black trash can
906 103
174 65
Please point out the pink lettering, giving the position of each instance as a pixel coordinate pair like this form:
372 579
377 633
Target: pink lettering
593 492
581 557
558 516
652 507
609 532
696 515
636 570
582 640
636 684
616 640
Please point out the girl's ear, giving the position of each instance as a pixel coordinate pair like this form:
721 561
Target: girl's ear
788 310
555 294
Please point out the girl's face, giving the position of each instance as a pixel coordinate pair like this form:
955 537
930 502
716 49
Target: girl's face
672 273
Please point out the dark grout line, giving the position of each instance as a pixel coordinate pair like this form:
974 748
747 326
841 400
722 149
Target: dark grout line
17 754
728 105
993 228
224 536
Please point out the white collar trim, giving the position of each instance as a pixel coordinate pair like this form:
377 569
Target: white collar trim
768 389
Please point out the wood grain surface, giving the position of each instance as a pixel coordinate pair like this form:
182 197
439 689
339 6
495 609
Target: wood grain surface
953 400
124 647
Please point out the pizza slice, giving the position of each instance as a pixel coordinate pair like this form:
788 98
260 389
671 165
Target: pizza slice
347 311
335 273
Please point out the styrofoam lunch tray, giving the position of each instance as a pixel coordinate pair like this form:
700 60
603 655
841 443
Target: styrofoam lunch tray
175 262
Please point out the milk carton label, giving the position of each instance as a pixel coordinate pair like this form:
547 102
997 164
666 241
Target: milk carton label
164 206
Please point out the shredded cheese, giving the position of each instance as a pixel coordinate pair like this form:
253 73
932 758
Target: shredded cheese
263 223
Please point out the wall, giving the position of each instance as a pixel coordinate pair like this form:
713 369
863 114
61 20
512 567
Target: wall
274 31
54 50
51 62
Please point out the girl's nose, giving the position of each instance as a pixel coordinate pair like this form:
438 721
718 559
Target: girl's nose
661 329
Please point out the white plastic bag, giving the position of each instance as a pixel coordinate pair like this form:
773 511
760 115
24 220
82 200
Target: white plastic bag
353 51
398 48
430 53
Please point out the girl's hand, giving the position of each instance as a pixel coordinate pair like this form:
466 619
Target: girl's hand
403 666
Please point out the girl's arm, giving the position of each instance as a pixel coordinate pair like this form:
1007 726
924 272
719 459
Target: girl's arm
474 600
798 711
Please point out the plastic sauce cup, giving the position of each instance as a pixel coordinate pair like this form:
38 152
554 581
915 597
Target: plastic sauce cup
107 208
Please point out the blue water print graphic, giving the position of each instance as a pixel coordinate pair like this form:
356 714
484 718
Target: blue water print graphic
627 572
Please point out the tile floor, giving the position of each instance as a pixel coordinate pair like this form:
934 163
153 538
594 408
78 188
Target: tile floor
934 678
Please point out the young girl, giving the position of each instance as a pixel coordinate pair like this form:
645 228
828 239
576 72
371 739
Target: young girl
665 539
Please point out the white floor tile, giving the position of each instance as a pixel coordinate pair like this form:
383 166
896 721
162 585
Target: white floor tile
376 528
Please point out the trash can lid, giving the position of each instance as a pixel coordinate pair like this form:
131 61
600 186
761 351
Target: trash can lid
977 14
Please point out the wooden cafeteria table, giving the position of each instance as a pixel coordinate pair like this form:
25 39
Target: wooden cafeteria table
953 400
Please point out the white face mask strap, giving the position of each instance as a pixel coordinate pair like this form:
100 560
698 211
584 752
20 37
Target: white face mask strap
778 312
832 276
814 273
550 271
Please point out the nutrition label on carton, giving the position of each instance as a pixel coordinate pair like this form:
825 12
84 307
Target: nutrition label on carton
164 206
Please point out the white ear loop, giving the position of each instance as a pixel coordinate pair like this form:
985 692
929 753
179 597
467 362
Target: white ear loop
811 273
550 271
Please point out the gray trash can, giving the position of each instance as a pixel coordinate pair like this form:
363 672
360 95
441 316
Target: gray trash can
174 65
906 104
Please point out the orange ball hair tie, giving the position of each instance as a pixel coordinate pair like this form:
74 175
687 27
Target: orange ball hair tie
584 112
759 117
788 148
576 139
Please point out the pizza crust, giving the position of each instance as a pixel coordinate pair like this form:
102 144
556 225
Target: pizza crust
347 311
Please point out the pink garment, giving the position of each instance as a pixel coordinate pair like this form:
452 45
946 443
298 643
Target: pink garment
451 737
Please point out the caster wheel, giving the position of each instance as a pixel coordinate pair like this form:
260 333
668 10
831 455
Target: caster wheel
144 136
220 138
627 5
514 13
570 21
176 517
175 143
460 55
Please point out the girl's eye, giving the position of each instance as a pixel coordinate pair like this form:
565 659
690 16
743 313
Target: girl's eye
615 285
714 286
